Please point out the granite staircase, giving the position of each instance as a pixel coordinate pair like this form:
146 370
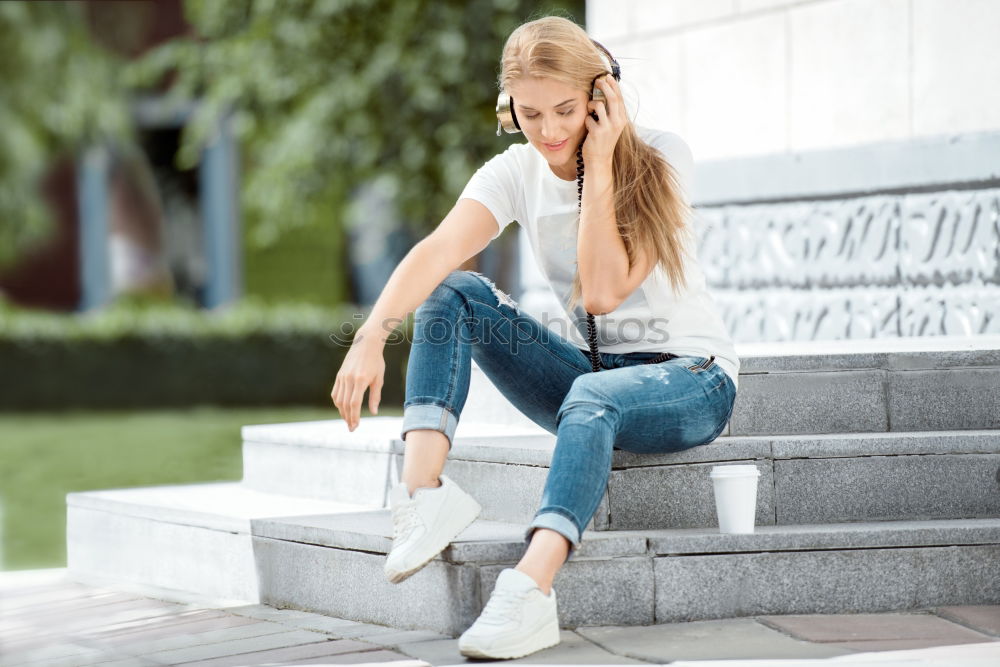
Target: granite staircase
879 490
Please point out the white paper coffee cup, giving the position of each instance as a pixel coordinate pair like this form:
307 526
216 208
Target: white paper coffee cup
735 497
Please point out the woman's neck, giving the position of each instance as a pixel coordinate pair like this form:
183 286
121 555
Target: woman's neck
561 177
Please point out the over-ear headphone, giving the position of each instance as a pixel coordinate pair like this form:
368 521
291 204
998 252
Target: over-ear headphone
507 118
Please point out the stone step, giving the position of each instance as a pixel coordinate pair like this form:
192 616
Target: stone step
635 577
226 541
804 478
930 383
193 537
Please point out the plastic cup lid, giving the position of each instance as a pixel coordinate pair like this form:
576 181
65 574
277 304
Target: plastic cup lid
734 471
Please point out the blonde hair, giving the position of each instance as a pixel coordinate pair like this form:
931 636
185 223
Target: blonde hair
649 208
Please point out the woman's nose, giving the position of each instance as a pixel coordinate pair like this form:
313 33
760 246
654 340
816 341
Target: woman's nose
549 131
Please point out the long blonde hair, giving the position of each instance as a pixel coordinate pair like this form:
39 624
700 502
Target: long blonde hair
649 208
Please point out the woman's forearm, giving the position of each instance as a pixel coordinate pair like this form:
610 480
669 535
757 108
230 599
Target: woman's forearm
601 254
412 281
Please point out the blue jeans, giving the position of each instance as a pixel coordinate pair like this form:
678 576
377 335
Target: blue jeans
646 408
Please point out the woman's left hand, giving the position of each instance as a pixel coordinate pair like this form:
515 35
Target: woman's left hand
602 134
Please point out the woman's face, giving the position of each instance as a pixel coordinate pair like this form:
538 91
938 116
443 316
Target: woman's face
550 112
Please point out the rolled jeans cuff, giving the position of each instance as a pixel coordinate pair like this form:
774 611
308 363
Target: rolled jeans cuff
559 523
429 416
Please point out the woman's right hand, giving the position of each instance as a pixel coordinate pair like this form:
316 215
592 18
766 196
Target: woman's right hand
363 368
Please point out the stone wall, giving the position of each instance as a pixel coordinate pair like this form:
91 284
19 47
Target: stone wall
847 178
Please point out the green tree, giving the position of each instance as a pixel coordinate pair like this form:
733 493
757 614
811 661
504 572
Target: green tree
325 94
59 91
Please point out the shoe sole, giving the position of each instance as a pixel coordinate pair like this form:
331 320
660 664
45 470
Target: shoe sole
398 576
519 650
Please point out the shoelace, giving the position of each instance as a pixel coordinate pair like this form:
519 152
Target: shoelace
404 520
503 604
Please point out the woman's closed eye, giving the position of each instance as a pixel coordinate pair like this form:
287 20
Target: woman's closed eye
561 113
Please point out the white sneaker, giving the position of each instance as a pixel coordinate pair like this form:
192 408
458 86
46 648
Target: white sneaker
517 620
423 525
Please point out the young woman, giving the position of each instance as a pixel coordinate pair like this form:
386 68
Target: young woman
618 240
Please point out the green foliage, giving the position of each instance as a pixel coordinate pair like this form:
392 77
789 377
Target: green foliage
147 354
325 94
145 318
59 92
304 265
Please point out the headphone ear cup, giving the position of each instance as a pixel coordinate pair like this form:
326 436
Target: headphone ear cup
506 117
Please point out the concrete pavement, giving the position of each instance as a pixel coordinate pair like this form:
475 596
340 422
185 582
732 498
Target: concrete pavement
47 620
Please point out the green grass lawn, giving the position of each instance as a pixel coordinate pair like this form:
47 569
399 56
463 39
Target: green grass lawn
44 456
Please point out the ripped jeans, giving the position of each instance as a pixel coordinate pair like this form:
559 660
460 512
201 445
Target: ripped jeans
645 408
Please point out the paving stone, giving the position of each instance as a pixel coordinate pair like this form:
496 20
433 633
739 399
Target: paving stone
184 615
84 623
32 606
22 643
572 650
124 662
96 616
115 612
900 644
196 598
184 640
170 629
52 653
17 598
367 631
870 627
290 654
395 638
144 624
13 584
985 654
236 646
268 613
76 661
381 656
984 618
338 628
730 638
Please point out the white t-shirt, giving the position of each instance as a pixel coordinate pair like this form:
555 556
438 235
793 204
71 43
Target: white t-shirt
518 184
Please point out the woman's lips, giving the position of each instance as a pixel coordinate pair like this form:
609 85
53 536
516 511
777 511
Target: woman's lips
556 146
